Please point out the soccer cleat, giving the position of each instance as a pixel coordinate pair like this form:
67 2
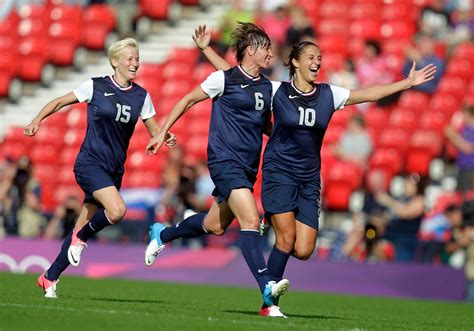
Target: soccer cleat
74 251
48 286
155 245
274 290
263 226
272 311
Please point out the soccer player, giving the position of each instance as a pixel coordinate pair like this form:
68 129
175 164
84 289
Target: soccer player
240 115
302 110
115 104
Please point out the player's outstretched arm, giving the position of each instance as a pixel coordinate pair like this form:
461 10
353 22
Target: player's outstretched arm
154 128
190 99
377 92
50 108
202 38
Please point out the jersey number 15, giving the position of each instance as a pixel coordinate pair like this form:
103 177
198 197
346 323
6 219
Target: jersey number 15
123 113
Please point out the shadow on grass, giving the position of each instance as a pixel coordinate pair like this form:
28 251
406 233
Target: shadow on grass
126 300
308 316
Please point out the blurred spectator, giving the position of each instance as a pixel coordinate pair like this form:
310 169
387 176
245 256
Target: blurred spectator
25 195
463 140
7 172
462 27
405 215
300 27
423 54
435 232
365 243
204 185
463 243
125 13
275 24
346 76
237 13
64 218
434 20
372 68
355 144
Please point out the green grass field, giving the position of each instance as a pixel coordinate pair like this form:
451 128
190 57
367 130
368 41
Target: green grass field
115 304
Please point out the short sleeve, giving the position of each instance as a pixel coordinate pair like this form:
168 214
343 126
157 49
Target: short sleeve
340 96
85 91
148 110
214 84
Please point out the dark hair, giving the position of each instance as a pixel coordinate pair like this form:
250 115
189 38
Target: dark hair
295 53
248 34
359 119
375 45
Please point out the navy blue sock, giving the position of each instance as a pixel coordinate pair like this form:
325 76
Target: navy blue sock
253 255
277 263
61 262
97 223
190 227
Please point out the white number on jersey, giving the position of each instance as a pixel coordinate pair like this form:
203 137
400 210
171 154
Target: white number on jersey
123 113
307 116
259 103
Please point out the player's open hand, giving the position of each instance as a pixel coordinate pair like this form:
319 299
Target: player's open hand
31 129
170 140
155 143
425 74
202 36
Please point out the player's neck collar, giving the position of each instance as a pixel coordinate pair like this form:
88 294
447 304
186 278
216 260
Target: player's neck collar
249 76
301 92
112 78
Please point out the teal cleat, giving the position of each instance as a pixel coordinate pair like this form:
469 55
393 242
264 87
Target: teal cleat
155 245
274 290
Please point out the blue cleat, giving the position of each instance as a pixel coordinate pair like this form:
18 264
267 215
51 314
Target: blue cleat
274 290
155 245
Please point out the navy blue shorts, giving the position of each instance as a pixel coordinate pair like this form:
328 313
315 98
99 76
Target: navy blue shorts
281 194
92 177
228 176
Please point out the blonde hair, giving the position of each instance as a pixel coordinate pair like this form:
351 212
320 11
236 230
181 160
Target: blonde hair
116 48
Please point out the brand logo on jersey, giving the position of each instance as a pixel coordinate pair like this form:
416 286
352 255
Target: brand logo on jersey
108 94
293 96
244 86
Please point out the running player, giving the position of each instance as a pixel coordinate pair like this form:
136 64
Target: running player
240 114
114 105
302 110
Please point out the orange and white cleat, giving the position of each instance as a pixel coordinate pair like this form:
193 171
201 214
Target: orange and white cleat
48 286
272 311
74 252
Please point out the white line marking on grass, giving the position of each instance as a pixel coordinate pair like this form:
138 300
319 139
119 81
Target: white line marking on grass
264 322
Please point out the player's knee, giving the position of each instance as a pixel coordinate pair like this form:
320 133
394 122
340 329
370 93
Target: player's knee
285 242
116 213
303 253
250 222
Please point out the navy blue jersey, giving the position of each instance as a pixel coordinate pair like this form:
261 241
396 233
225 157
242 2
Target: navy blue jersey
112 113
300 121
240 108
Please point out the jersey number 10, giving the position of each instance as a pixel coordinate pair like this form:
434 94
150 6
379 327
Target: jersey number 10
123 113
307 116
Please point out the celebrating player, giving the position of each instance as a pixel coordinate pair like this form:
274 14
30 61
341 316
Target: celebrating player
302 110
240 115
114 105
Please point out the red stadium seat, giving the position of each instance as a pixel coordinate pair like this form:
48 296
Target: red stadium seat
202 71
334 9
177 70
66 13
414 100
97 21
394 138
423 147
150 70
74 137
157 10
376 118
176 88
32 28
333 134
387 160
138 160
356 47
14 149
65 176
395 46
342 179
61 192
433 121
68 156
43 154
333 27
333 45
465 50
364 10
452 85
401 29
197 147
141 178
64 39
184 55
366 28
403 119
445 102
77 116
460 67
397 11
34 55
